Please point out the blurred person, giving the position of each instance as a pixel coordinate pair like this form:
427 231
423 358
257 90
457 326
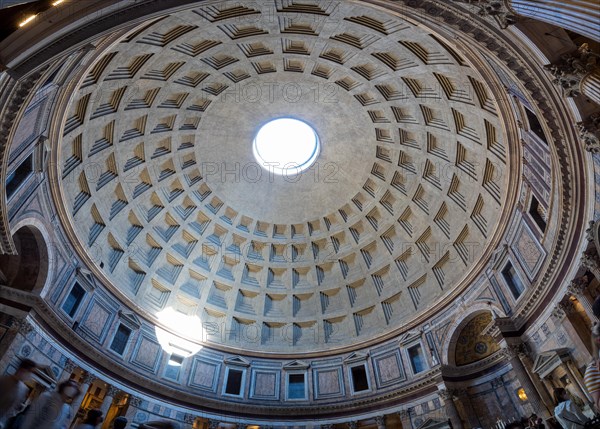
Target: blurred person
93 419
567 412
539 423
120 423
532 420
13 390
536 422
591 378
52 410
16 421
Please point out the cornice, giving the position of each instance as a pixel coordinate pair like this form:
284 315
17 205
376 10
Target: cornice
472 369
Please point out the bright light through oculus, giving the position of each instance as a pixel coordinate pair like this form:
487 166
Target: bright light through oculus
179 346
286 146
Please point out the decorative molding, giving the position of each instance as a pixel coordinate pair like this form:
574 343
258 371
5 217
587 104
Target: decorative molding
296 364
496 9
517 350
546 362
113 391
404 414
69 366
446 394
591 231
358 356
14 97
88 378
237 361
426 380
578 286
472 368
130 319
499 11
569 71
590 261
589 133
25 327
497 382
551 108
135 401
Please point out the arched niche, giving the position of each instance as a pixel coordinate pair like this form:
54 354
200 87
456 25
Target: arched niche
28 269
472 344
466 333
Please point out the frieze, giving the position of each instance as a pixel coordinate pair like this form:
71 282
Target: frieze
426 379
496 10
589 133
570 70
446 394
578 286
590 261
487 362
113 391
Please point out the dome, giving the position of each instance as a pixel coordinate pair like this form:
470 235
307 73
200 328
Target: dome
397 213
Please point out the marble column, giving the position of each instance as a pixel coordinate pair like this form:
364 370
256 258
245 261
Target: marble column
579 16
111 393
25 327
511 352
67 371
563 314
578 288
590 86
88 379
404 416
213 424
451 411
573 70
495 9
465 400
591 263
589 133
132 408
578 383
538 382
189 419
380 422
